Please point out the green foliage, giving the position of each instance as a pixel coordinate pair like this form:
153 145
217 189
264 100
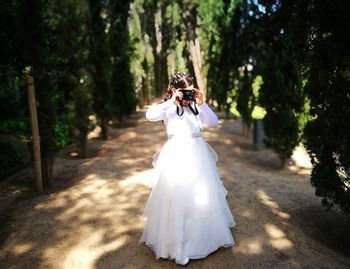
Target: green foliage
99 62
37 54
13 155
123 96
263 49
222 50
246 100
80 69
211 14
12 96
138 59
321 41
62 129
73 43
82 108
283 98
13 109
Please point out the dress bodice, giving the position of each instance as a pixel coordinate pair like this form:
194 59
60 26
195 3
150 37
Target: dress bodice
187 124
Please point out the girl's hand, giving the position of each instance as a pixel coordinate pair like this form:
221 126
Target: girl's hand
199 97
177 95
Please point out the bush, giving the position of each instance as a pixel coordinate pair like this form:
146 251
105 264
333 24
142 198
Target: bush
13 155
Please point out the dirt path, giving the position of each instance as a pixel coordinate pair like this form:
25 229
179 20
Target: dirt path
94 218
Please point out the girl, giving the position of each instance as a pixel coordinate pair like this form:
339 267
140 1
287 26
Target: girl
187 215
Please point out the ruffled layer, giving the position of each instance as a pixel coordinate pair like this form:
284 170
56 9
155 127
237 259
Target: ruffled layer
187 215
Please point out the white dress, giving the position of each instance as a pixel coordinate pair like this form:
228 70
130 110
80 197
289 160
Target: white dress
187 215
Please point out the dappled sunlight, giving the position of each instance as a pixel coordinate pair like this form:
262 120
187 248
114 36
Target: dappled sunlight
86 221
266 200
247 214
22 248
237 150
74 154
278 237
227 141
86 253
130 161
301 157
95 133
128 135
250 247
300 161
299 170
210 134
145 178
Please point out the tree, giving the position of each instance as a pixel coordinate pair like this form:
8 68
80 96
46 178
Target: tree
281 93
245 99
71 25
139 60
123 94
190 23
282 96
99 62
35 40
322 42
221 50
14 123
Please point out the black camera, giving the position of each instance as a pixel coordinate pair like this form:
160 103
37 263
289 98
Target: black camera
189 95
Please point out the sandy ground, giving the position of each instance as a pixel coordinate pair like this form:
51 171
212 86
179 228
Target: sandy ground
92 219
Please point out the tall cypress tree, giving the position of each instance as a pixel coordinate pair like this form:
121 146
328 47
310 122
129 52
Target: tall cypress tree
223 61
123 94
72 33
99 62
35 41
323 51
281 94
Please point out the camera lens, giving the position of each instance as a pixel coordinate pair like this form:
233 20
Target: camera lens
188 94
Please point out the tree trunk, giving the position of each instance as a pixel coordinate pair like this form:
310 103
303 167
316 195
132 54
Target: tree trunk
83 144
172 63
160 50
227 111
190 20
246 130
104 129
284 163
46 127
151 24
197 65
157 74
35 133
144 92
98 56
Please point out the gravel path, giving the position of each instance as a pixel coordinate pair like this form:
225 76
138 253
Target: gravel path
93 218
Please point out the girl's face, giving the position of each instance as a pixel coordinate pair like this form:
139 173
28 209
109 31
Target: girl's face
185 102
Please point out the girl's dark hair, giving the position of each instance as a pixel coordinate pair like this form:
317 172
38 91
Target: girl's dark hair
178 80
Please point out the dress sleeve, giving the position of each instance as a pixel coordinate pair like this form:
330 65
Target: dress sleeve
156 112
207 116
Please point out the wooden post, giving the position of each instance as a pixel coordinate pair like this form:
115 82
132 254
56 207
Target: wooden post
35 132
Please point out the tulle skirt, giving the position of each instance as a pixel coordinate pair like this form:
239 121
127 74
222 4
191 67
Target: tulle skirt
187 215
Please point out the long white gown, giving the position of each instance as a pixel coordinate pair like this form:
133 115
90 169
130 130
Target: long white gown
187 215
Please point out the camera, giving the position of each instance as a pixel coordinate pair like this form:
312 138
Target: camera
189 95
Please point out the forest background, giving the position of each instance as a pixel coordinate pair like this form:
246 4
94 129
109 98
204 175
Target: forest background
95 62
